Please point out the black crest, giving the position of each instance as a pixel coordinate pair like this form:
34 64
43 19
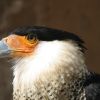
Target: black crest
48 34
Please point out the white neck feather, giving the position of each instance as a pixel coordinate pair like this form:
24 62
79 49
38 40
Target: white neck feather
47 61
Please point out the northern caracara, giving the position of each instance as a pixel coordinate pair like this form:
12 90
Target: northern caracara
49 64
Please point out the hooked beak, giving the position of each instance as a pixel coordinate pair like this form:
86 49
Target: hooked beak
4 49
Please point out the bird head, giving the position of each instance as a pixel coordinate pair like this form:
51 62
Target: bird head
24 40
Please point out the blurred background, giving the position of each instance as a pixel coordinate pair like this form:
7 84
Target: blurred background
78 16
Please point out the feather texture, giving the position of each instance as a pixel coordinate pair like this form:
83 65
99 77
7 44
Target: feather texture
56 71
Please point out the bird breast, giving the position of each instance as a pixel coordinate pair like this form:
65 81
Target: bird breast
53 71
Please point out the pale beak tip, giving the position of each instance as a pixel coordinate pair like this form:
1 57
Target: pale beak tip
4 49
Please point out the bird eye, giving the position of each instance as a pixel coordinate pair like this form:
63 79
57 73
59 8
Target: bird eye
31 37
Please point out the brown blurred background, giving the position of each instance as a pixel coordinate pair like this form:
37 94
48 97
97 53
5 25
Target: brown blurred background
79 16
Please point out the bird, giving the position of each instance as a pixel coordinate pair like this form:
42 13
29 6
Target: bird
49 64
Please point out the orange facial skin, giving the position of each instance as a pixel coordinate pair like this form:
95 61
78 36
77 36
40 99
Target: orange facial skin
20 44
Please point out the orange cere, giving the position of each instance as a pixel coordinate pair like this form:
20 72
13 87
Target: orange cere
20 43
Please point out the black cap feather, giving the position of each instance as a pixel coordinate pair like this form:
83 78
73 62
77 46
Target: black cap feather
48 34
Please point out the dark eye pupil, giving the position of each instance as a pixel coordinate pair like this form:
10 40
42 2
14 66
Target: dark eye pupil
30 36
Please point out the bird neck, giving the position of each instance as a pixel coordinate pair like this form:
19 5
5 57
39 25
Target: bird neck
49 61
